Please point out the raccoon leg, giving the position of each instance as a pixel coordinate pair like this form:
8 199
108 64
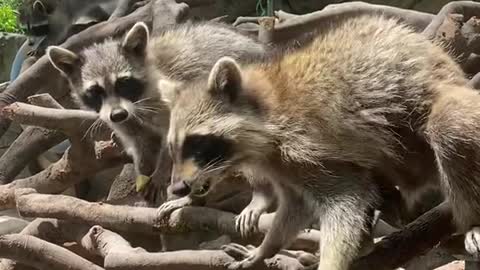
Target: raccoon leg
345 223
247 221
293 214
453 131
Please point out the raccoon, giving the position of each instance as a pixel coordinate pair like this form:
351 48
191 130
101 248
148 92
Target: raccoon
54 19
368 97
124 79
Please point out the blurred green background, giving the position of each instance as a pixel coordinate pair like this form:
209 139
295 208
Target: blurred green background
8 16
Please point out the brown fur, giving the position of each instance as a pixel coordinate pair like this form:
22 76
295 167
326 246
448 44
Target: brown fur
369 98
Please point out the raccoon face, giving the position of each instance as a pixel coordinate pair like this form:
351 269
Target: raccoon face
209 136
109 78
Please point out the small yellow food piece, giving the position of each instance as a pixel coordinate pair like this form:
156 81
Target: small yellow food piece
141 182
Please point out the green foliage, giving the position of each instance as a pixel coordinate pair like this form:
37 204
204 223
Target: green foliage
8 16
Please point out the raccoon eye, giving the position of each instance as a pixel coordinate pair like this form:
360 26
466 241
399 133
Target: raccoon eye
206 149
129 88
93 97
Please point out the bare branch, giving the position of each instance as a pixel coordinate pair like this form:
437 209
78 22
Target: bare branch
119 254
141 220
420 235
322 20
69 170
467 8
30 144
71 122
41 254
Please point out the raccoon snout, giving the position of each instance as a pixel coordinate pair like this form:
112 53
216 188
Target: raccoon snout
181 189
118 115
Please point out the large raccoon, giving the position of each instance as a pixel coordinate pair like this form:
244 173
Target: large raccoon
122 79
368 97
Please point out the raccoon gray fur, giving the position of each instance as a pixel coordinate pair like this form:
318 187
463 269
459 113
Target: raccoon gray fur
369 97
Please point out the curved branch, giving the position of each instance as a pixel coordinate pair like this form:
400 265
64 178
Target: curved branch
322 19
467 8
40 254
119 254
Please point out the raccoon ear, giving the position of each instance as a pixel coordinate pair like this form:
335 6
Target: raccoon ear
136 39
225 79
168 90
62 59
39 7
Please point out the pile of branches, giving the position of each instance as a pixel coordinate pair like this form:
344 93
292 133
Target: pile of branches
120 232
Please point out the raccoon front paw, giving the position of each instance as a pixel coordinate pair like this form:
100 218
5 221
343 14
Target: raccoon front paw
472 242
168 207
247 257
247 221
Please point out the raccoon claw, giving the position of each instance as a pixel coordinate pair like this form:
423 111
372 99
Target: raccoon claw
247 221
250 255
168 207
472 242
33 53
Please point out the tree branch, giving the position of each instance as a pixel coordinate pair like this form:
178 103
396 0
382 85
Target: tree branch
71 122
32 142
119 254
141 220
41 254
69 170
467 8
321 20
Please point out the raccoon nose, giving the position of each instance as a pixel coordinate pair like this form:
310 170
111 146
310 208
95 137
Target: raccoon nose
118 115
180 188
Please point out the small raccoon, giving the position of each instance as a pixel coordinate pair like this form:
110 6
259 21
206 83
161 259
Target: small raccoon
368 97
55 18
120 78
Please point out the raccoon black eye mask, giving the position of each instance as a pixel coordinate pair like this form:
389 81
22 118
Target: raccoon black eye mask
93 97
206 149
129 88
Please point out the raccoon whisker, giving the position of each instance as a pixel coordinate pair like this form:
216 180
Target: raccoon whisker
89 129
138 118
154 108
148 110
142 100
216 168
210 164
98 127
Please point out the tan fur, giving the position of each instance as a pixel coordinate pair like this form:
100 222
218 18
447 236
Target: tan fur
368 101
